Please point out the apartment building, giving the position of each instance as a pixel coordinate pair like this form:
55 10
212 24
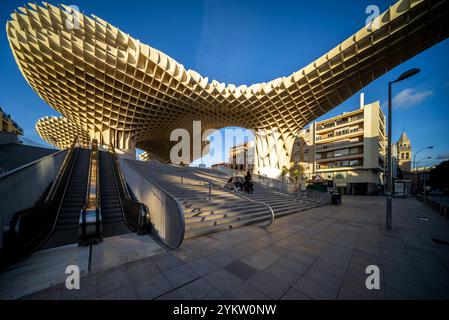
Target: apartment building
241 157
9 125
348 149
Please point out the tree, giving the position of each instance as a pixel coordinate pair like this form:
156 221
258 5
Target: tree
296 174
284 172
439 177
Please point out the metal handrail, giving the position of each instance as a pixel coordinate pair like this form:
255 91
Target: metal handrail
168 194
10 172
93 186
60 204
92 205
120 176
61 171
243 197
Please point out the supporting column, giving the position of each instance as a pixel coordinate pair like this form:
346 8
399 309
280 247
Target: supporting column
273 151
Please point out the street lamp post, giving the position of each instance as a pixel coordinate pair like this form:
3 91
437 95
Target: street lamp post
403 76
416 169
414 163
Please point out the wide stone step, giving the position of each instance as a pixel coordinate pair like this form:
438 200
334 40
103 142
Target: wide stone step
226 220
224 214
191 233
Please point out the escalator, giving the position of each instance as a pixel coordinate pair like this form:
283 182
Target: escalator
88 200
111 206
66 228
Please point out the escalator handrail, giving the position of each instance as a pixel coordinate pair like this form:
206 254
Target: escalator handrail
92 203
119 177
93 192
61 171
13 227
11 172
168 194
116 166
76 150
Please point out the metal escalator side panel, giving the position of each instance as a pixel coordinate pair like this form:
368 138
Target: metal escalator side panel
90 226
66 226
135 214
30 228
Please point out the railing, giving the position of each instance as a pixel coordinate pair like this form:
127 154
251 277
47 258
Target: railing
283 186
166 213
36 212
210 184
135 214
90 230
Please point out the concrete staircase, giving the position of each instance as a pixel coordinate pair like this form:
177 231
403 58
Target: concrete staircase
202 215
282 203
224 209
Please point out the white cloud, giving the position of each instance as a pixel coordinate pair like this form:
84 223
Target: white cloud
409 97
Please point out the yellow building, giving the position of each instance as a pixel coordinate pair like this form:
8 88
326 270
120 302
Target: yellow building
241 157
9 125
348 149
404 148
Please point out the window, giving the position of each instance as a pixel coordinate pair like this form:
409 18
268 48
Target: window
341 153
340 175
406 156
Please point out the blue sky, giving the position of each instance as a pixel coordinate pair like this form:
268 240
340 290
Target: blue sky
244 42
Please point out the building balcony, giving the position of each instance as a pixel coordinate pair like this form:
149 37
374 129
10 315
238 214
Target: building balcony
340 137
332 126
345 157
337 145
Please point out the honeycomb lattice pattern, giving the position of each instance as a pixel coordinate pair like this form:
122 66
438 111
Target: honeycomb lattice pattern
60 132
129 94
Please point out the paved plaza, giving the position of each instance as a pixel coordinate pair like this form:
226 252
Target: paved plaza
318 254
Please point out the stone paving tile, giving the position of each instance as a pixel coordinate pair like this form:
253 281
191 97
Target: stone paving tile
330 268
89 288
124 293
141 270
245 292
112 279
293 294
52 293
316 289
354 287
323 277
240 269
222 280
301 257
261 259
318 254
219 258
202 266
282 273
196 290
293 265
180 275
167 261
154 287
270 285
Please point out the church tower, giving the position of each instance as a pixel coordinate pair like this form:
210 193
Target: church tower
404 153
